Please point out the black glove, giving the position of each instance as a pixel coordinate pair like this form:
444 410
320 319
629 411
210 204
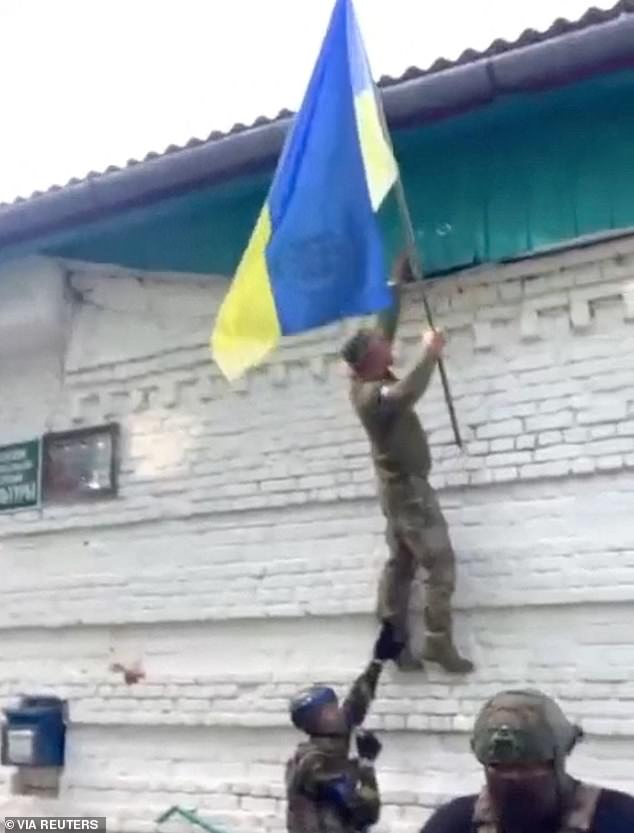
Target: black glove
386 646
368 746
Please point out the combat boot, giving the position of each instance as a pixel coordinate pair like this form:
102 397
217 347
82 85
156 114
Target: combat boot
439 648
406 661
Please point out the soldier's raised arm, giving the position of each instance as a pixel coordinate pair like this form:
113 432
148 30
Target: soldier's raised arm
363 690
362 693
408 390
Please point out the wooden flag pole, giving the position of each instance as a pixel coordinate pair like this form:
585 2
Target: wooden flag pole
417 271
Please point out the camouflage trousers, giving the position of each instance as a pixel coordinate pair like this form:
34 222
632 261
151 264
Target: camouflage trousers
418 538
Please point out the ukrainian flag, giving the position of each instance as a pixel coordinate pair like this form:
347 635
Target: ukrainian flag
316 255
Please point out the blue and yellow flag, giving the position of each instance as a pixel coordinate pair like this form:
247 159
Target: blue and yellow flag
316 255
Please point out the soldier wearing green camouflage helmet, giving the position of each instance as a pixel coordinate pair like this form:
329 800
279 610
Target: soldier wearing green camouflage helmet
523 740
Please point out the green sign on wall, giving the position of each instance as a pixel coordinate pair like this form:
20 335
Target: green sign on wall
20 475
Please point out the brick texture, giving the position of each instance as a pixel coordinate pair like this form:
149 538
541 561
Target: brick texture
241 558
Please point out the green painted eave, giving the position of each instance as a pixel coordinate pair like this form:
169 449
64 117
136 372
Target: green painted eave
524 173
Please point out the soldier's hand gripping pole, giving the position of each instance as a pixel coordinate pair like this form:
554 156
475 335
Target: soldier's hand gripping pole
417 272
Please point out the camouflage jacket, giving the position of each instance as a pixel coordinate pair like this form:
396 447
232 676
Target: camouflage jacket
317 764
321 761
385 408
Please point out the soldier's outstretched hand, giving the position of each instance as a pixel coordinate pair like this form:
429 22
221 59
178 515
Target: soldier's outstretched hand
387 646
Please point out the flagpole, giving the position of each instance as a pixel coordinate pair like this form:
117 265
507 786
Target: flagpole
417 271
416 263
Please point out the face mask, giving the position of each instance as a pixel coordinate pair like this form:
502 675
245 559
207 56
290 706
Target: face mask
526 805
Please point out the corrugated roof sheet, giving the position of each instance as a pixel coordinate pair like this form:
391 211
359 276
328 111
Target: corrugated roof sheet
529 37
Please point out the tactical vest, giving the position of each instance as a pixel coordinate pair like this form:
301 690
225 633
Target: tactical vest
304 814
579 819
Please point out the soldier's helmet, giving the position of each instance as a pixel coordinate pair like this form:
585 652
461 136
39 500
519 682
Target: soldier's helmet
523 727
307 703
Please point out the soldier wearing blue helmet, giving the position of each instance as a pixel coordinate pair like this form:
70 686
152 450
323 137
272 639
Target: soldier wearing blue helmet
327 790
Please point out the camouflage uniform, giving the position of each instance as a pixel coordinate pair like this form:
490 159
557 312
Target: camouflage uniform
416 533
321 761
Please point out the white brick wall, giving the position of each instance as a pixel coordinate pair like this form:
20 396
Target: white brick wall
241 558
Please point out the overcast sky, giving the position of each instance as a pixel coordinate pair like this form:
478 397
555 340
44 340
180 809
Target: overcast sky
89 83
